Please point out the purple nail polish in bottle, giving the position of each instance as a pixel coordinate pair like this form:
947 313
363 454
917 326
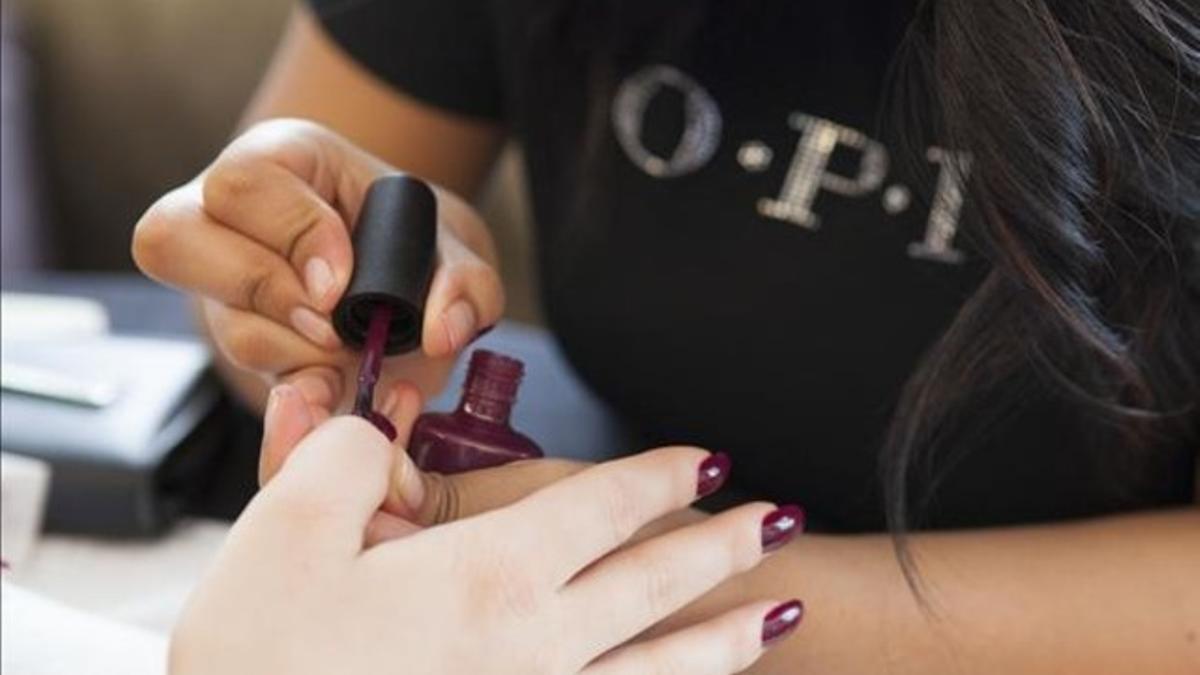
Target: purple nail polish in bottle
477 434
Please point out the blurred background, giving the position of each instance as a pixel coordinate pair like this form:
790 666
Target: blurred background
109 104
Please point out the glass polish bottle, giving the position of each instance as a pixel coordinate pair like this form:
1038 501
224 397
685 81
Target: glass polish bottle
477 434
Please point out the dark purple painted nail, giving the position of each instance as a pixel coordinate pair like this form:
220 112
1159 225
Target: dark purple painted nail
780 526
713 472
781 621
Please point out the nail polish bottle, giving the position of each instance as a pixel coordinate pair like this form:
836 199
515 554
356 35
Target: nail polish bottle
395 242
477 434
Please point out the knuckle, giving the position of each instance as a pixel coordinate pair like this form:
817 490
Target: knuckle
306 218
622 508
660 585
243 345
155 234
255 290
518 596
152 237
553 656
503 585
227 183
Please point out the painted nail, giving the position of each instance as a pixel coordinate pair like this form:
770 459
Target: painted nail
312 326
713 472
318 279
780 526
780 621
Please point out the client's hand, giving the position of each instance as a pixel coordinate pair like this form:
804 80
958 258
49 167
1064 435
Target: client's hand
533 587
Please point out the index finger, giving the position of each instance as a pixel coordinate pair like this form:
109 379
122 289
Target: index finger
271 205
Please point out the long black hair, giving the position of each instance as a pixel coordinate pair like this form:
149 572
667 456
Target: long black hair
1083 123
1082 120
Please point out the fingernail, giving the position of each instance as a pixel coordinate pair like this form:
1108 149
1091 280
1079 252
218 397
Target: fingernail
318 279
272 403
780 621
271 413
312 326
713 472
316 390
459 323
780 526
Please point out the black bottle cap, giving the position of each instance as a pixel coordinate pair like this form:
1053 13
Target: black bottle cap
395 246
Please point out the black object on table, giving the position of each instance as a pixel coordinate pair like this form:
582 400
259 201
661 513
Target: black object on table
555 408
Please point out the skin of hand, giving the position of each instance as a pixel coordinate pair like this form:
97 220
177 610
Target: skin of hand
263 238
414 496
1109 595
297 588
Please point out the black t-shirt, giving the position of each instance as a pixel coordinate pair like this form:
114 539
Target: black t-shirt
732 255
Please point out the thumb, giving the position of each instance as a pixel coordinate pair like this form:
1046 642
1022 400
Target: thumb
466 295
